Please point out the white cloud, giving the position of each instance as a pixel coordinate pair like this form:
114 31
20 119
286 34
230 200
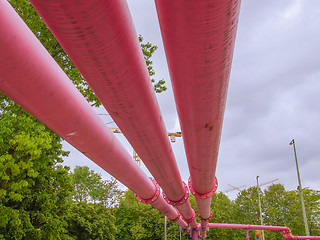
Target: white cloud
292 11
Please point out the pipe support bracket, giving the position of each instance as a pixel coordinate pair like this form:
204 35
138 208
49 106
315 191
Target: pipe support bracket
205 195
155 196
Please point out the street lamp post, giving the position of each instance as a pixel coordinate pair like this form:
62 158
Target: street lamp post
165 227
260 209
300 189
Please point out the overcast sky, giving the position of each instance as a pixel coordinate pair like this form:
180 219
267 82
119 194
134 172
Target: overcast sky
273 96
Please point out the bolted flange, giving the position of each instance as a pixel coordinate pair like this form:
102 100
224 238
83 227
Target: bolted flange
155 196
190 219
205 195
205 219
181 201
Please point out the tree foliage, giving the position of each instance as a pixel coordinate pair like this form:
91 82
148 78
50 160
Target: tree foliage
90 221
89 187
135 220
34 188
148 50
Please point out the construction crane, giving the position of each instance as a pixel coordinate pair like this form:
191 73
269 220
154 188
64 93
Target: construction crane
173 136
233 188
135 155
269 182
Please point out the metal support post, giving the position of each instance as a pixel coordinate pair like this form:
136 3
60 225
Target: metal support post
165 227
300 190
195 234
247 234
260 209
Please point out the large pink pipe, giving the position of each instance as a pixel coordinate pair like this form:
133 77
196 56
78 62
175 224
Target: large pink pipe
199 39
100 39
30 77
286 232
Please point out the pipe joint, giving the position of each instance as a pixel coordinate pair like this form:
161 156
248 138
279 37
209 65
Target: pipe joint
181 201
155 196
287 233
205 219
205 195
190 219
177 218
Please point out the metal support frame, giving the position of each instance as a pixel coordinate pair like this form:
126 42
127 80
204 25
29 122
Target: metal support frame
196 233
247 234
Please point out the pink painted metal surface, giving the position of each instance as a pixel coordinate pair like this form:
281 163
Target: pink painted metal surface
154 197
30 77
247 234
169 211
205 195
286 232
100 39
195 234
182 201
199 39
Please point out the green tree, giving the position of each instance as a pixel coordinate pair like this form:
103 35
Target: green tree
136 220
275 209
294 219
280 208
312 201
89 187
34 189
222 212
88 221
148 50
246 206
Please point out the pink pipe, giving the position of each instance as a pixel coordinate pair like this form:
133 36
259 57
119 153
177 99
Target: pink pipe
30 77
286 232
199 39
100 39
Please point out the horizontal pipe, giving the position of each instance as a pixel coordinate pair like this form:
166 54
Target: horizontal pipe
100 39
162 206
31 78
246 226
199 38
286 232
